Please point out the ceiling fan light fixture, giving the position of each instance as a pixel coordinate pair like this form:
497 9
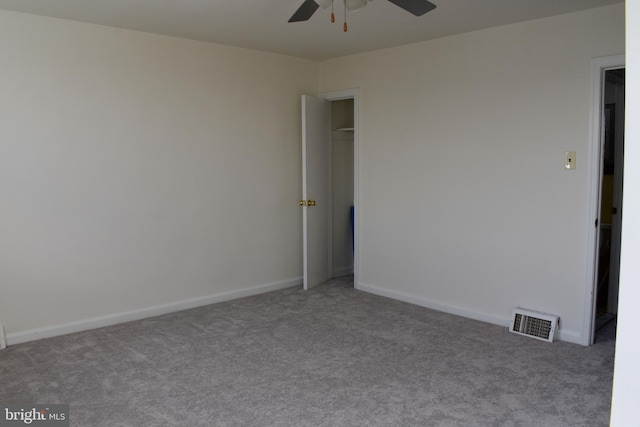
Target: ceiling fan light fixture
324 3
353 5
309 7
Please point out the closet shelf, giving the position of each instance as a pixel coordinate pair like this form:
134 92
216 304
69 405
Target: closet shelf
345 129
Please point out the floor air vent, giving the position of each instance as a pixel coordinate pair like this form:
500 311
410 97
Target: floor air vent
534 324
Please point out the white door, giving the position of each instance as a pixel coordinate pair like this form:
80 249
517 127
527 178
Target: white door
315 191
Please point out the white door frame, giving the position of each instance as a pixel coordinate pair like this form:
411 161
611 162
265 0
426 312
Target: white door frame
337 96
616 220
598 68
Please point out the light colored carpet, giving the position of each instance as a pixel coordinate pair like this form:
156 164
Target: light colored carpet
331 356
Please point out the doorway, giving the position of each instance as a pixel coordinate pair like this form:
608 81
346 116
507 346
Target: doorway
341 218
611 190
606 160
329 186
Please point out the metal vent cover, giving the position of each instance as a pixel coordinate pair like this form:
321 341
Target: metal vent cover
534 324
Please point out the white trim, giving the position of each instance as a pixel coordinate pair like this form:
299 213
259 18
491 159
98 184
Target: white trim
569 336
342 272
598 66
3 340
356 185
329 125
340 95
563 335
143 313
303 136
424 302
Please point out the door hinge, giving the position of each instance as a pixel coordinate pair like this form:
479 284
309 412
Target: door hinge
596 222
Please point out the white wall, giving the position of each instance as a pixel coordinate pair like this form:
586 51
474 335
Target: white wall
138 170
625 411
464 202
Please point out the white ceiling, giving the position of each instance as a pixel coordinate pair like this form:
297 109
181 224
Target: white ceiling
262 24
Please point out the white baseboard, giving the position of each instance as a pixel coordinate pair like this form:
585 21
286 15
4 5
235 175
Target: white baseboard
563 335
3 341
142 313
342 271
570 336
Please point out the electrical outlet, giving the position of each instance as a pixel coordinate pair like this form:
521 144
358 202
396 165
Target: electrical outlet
3 341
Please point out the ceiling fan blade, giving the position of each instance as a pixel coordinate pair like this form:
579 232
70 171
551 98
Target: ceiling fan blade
417 7
305 11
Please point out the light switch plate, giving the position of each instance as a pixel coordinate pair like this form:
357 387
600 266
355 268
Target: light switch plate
569 160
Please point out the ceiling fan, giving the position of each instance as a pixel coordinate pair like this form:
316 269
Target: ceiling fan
308 8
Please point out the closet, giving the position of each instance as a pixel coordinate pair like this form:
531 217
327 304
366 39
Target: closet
342 185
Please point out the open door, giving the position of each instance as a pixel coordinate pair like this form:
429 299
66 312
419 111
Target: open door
315 191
